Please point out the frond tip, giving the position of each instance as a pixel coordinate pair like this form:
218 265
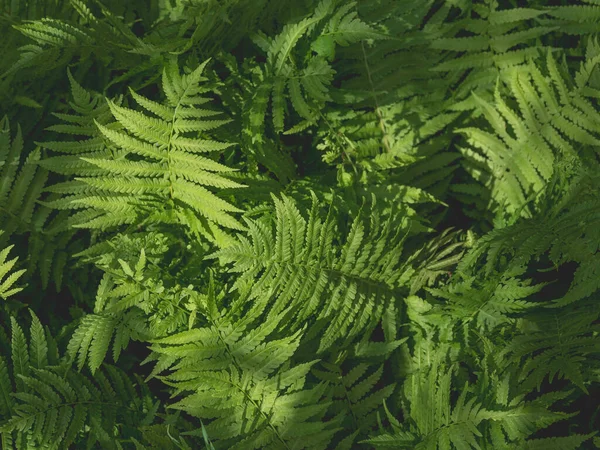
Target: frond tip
8 277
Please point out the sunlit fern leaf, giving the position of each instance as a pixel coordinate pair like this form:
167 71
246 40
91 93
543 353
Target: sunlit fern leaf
553 119
254 397
92 337
8 276
292 263
576 18
147 164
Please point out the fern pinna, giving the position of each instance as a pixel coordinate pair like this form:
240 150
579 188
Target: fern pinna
319 224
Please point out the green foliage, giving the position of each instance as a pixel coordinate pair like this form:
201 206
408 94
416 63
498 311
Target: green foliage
227 364
47 405
554 120
319 224
435 420
145 165
22 183
343 290
8 276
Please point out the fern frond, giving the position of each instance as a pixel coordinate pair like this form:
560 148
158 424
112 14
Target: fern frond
557 345
8 277
149 160
58 408
293 265
49 405
54 32
21 187
576 18
244 378
497 40
437 420
355 389
518 166
92 338
307 86
490 304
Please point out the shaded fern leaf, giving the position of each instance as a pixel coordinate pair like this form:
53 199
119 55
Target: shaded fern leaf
357 391
297 77
489 303
22 184
498 39
559 344
58 408
435 420
44 403
133 302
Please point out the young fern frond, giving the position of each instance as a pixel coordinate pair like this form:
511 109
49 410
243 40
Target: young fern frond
135 300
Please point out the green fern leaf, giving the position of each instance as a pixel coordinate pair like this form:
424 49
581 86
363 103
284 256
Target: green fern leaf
244 378
293 266
169 170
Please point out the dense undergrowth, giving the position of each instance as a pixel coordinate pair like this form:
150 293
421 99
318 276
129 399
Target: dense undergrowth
268 224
